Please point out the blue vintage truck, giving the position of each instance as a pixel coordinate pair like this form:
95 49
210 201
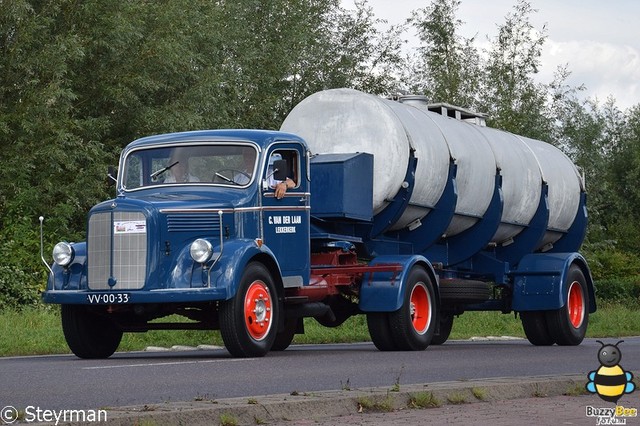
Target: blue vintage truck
407 212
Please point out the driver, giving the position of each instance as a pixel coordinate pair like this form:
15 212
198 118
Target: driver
179 172
240 175
280 186
248 160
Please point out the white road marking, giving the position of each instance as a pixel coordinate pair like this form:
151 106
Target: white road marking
160 364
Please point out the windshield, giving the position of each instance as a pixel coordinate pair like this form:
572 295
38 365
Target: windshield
232 165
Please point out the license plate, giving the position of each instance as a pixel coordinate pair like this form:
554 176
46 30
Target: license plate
108 298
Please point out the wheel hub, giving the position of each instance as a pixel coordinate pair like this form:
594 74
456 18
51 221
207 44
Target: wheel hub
576 304
261 310
258 310
420 308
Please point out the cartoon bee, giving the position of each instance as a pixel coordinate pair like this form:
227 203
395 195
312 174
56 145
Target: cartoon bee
610 381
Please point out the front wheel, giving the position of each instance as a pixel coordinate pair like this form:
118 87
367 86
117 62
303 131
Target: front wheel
446 324
412 326
285 337
88 334
568 325
249 321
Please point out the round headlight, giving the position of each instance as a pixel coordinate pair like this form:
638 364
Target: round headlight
201 250
63 254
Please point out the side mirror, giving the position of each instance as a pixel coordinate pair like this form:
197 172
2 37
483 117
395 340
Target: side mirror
111 174
281 169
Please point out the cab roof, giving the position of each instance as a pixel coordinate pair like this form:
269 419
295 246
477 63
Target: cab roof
263 138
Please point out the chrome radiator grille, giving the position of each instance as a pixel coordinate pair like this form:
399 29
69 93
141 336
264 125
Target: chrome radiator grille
117 250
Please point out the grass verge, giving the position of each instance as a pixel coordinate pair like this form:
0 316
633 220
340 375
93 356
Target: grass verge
37 331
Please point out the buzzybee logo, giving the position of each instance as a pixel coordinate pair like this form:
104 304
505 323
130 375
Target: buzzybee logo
610 381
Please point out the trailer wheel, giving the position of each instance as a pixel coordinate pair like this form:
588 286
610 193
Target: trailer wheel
446 324
248 321
568 325
380 331
89 335
535 328
413 325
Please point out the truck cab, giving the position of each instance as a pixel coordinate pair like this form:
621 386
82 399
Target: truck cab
193 212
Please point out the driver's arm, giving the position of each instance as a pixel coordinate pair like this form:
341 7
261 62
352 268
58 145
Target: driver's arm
281 187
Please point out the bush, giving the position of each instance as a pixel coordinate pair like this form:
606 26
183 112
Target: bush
622 290
18 289
611 264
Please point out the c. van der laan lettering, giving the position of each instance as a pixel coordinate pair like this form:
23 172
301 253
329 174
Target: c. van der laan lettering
285 220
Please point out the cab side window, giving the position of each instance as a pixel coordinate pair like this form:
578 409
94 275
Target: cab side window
291 157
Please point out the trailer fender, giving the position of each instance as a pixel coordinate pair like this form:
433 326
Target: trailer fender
384 291
540 283
235 257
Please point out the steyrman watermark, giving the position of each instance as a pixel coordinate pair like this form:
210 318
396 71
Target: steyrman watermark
10 414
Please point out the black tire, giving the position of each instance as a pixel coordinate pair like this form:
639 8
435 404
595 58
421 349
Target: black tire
412 326
535 328
251 332
446 324
285 337
464 291
568 325
88 334
380 331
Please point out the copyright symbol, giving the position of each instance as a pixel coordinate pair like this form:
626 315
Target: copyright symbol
9 414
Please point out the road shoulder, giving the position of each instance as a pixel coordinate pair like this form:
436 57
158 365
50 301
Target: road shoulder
318 407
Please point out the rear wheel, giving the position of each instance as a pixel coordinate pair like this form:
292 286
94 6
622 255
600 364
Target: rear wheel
380 331
535 328
568 325
88 334
412 326
248 322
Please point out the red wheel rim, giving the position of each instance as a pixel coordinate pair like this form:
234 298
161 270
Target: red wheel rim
258 310
420 308
575 304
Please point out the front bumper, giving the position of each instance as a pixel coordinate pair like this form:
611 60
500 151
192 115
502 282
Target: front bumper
84 297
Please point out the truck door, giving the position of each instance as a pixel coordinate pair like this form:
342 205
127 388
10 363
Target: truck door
286 220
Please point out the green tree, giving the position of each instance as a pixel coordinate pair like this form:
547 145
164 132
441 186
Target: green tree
511 97
44 161
624 178
81 80
448 68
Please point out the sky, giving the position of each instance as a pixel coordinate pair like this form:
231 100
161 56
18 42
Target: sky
598 41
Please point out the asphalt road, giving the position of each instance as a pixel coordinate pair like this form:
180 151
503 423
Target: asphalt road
66 382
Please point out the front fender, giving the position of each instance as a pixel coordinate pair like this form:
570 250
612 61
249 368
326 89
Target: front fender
540 281
74 276
384 291
235 257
